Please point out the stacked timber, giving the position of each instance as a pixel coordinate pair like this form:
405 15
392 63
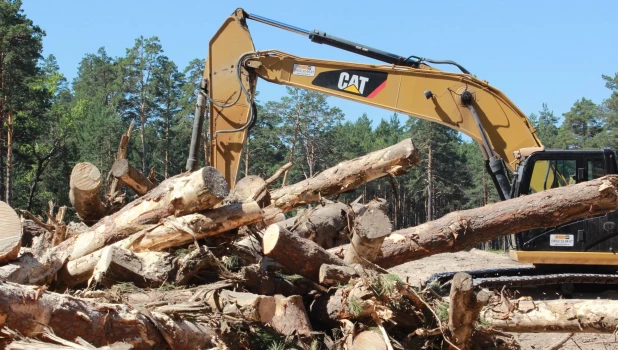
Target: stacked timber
190 264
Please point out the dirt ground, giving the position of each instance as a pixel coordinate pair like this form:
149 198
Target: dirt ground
418 271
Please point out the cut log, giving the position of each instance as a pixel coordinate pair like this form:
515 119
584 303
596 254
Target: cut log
331 275
369 340
179 231
347 175
84 186
464 310
556 316
29 310
30 230
259 280
327 225
144 270
10 233
370 229
249 188
286 315
28 269
464 229
131 177
190 264
180 195
298 254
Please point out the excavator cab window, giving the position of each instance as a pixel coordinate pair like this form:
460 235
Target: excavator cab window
552 173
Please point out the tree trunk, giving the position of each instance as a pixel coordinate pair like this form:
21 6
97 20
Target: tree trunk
85 184
144 270
331 275
180 195
464 310
28 310
464 229
565 315
286 315
327 225
10 234
370 229
9 158
131 177
429 185
347 175
299 255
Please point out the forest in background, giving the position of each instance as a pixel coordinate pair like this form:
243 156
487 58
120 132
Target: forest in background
49 124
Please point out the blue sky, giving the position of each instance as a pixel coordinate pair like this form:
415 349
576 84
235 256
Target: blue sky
534 51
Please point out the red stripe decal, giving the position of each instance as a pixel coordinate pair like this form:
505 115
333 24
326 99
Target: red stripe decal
377 90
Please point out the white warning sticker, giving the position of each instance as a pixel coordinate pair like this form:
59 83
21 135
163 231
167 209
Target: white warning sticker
303 69
561 240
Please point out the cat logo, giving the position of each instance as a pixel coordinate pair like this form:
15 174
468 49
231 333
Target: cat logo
354 84
365 83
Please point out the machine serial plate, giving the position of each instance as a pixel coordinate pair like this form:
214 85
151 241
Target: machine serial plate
561 240
302 69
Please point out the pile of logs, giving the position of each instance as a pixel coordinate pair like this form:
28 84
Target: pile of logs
191 264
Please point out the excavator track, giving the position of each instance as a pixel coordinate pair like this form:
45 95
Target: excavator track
524 278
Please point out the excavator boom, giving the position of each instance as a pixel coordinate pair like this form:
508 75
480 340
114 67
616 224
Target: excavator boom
457 100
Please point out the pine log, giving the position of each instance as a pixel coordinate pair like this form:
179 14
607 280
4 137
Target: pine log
369 340
464 310
10 233
180 195
84 185
131 177
179 231
331 275
370 230
298 254
29 310
286 315
464 229
555 316
190 264
347 175
249 188
259 280
327 225
30 230
144 270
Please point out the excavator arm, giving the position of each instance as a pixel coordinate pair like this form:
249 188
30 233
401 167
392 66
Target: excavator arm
457 100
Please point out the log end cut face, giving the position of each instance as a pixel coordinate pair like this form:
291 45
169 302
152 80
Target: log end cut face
10 233
85 177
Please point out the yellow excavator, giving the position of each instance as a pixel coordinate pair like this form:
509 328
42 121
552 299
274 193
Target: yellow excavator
515 157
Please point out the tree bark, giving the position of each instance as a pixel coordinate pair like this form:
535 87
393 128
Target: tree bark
370 229
191 264
327 225
555 316
464 229
131 177
347 175
464 310
10 233
84 193
9 157
144 270
331 275
29 310
299 255
286 315
178 196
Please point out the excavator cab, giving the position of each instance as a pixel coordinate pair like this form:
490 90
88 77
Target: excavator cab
583 242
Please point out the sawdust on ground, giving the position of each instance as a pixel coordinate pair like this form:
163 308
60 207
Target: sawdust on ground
416 272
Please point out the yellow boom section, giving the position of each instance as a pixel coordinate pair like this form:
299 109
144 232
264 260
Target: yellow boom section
423 92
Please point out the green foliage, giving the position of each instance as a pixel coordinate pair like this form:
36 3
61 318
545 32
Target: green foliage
355 305
442 311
